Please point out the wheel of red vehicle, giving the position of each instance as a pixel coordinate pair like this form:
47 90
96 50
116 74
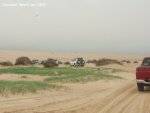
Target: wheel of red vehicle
140 87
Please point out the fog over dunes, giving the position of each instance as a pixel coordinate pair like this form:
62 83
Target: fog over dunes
112 26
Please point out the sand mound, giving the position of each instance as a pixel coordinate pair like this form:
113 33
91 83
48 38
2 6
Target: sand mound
23 61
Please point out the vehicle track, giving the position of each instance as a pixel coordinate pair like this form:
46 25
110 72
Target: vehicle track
121 99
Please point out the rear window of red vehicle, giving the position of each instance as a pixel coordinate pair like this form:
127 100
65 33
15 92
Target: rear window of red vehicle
146 61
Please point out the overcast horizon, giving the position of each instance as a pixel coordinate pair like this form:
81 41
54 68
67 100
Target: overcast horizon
109 26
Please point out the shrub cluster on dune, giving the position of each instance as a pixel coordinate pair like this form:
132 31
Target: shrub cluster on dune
6 63
104 61
23 61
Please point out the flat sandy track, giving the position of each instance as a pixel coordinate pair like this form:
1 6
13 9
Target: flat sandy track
113 96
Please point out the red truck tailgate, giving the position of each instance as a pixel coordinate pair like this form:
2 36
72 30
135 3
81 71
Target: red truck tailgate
143 72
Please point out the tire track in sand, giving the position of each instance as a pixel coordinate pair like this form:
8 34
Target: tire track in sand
99 105
124 99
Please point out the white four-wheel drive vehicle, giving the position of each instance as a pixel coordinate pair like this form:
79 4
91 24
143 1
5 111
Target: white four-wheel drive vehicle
77 62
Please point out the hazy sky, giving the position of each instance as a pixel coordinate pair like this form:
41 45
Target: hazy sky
116 26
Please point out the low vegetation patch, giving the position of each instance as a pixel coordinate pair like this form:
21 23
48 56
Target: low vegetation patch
16 87
6 63
23 61
84 75
50 63
56 75
104 61
24 76
66 63
36 70
56 71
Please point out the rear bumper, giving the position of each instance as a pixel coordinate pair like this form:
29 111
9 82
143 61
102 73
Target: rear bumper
143 82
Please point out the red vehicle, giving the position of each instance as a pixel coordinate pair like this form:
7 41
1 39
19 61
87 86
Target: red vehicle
143 74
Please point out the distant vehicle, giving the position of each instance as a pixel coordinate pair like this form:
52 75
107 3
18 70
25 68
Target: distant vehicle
77 62
143 74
